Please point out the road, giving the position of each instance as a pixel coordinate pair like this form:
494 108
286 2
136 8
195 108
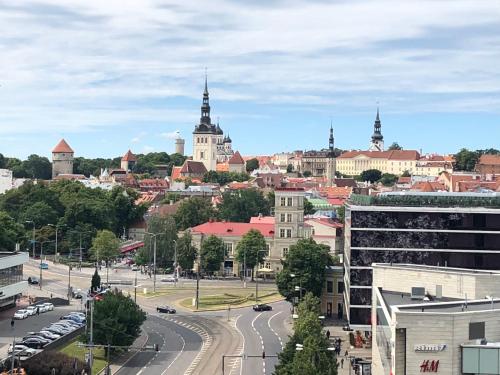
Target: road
178 347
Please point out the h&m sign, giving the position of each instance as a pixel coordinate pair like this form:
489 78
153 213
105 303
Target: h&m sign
429 366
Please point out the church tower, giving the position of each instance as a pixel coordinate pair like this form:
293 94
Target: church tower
331 163
62 159
205 136
377 143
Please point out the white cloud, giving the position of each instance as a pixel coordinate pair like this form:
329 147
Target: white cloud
171 135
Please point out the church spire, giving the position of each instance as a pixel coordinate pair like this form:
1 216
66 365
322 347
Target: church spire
377 129
331 147
205 107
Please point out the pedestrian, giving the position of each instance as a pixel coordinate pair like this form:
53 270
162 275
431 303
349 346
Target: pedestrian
37 311
342 363
346 354
12 323
328 334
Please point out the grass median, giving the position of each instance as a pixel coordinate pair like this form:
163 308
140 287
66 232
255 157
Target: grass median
75 351
222 301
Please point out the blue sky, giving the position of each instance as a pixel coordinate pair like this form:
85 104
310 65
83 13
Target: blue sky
118 74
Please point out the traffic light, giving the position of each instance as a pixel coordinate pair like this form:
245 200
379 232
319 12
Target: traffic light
156 347
263 355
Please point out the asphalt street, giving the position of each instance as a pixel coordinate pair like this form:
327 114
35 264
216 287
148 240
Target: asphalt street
178 347
262 332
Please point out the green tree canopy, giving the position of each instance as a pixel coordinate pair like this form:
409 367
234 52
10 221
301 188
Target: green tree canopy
117 320
47 361
37 167
166 233
395 146
242 205
39 212
307 260
212 254
249 249
95 283
289 168
466 160
10 232
105 246
252 164
307 174
371 175
308 207
388 179
406 173
186 252
194 211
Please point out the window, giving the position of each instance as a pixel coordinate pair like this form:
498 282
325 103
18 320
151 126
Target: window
282 218
282 201
289 202
329 286
268 248
289 218
282 233
268 265
284 252
202 155
340 287
228 249
476 331
288 233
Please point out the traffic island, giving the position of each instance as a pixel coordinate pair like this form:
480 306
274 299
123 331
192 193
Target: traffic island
222 301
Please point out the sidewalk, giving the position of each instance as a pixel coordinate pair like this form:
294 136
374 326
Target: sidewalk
119 362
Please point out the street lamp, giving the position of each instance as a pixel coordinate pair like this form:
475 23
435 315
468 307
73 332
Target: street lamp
33 239
257 278
154 258
57 229
41 255
175 263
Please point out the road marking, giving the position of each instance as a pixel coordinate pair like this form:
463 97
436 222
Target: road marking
240 350
261 342
271 328
178 354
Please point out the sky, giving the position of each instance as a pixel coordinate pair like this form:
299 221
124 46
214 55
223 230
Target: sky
118 74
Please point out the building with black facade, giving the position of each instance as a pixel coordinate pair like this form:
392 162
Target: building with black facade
459 230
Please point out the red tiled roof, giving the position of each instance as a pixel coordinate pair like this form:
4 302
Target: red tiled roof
236 159
176 173
489 159
327 222
194 167
336 192
218 228
390 155
403 155
222 167
153 182
68 176
345 182
262 220
404 180
428 186
129 156
62 146
336 201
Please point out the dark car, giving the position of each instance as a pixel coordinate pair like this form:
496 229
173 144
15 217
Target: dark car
34 343
262 307
166 309
41 338
33 281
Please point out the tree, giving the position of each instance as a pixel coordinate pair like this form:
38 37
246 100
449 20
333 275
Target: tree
340 211
105 246
242 205
212 254
307 260
388 179
117 320
222 178
466 160
252 164
40 212
308 208
46 362
186 252
395 146
371 175
96 281
307 174
289 168
194 211
37 167
248 249
10 232
406 173
165 229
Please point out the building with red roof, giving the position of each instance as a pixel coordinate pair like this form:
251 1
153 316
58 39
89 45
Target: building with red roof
488 164
62 159
236 163
128 161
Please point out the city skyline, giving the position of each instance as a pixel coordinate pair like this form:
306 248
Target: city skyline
431 68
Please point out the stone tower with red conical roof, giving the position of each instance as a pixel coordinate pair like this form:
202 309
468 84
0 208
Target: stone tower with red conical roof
62 159
128 161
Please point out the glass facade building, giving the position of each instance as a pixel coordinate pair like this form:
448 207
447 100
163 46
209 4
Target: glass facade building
462 237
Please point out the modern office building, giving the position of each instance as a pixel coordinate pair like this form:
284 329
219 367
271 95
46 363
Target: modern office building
11 277
440 229
435 319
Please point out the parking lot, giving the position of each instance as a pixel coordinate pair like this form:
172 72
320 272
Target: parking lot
31 324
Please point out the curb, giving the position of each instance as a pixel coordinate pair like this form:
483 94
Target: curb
232 307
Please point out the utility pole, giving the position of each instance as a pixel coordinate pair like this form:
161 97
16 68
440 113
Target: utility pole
91 333
13 356
175 263
154 266
80 264
33 239
108 370
257 278
135 287
244 268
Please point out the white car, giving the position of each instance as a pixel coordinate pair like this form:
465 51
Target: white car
49 306
21 314
42 308
18 348
31 310
169 279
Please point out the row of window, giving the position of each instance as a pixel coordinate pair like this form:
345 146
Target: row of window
286 201
285 233
285 218
202 139
11 275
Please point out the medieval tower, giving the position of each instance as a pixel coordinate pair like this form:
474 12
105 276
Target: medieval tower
62 159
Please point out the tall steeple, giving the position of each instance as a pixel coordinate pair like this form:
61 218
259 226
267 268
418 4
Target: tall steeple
377 143
331 147
205 107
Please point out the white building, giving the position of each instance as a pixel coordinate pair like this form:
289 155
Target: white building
6 181
12 284
434 319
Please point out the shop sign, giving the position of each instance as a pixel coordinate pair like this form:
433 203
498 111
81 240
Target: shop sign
430 348
429 366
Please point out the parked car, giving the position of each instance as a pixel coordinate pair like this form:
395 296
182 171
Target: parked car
42 339
73 318
262 307
17 348
46 334
49 306
135 267
56 330
31 310
79 313
41 308
70 327
166 309
44 266
21 314
33 280
34 343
